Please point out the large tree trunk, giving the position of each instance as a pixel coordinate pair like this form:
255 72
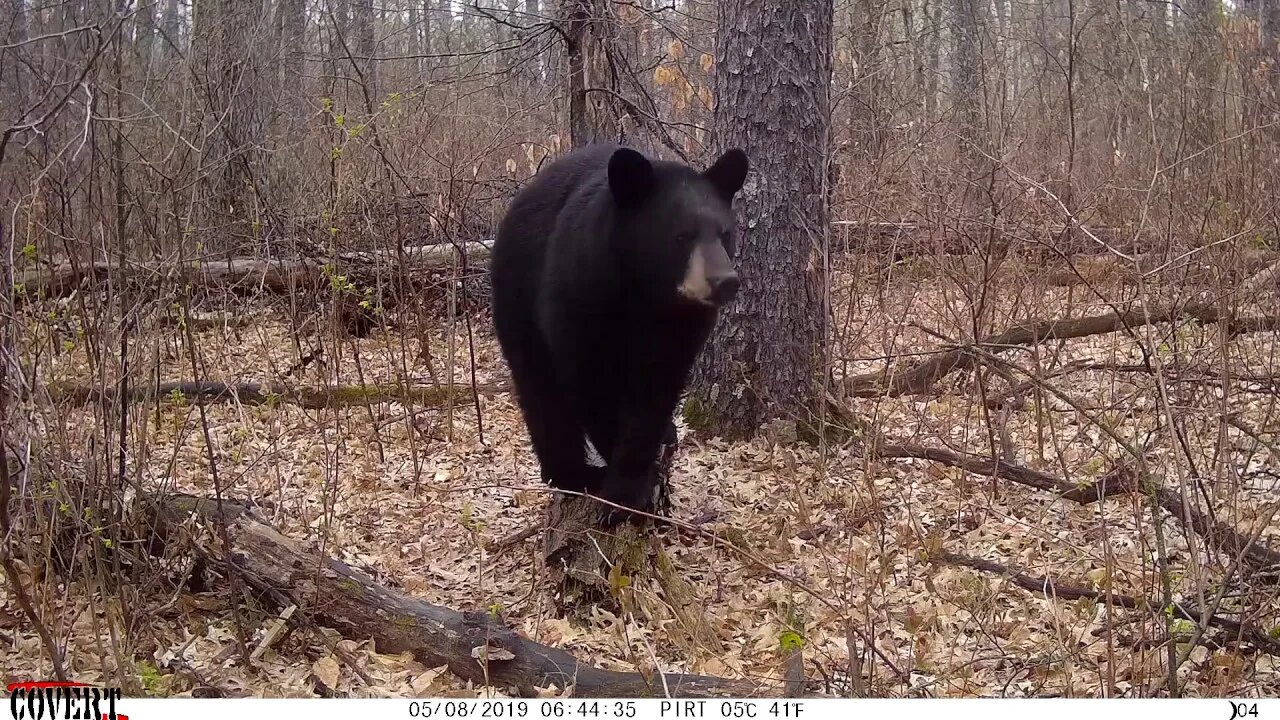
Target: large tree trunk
1201 25
867 117
364 48
761 362
227 38
293 32
577 15
967 69
170 37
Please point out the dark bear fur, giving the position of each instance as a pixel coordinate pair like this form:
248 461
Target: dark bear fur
607 273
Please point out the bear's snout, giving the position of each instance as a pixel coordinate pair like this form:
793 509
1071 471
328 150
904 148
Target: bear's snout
724 288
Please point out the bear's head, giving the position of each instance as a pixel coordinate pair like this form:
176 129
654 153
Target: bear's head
675 227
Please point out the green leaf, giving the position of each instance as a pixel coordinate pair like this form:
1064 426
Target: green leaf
790 640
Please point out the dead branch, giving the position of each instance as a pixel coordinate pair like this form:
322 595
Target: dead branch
918 379
1054 589
208 391
1215 531
1012 396
476 646
986 467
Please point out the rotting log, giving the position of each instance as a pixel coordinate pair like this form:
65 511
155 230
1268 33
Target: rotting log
476 646
919 378
208 391
241 274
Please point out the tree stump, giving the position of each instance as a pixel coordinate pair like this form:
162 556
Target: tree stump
587 562
625 569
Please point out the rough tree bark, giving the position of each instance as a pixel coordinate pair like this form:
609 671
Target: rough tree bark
577 15
364 47
868 121
227 43
601 109
293 32
761 362
968 72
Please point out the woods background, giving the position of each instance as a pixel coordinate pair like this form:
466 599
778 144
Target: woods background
1027 250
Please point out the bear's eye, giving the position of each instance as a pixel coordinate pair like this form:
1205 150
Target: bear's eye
684 237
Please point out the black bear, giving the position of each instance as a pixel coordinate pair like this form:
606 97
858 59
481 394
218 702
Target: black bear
607 274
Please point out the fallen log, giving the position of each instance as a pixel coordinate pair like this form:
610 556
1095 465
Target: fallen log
242 274
919 378
434 255
208 391
257 274
476 646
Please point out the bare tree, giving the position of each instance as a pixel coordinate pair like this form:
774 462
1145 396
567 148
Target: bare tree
293 34
576 23
364 46
967 73
229 43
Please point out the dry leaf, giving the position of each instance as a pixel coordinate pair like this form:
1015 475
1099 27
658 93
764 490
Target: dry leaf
327 671
491 652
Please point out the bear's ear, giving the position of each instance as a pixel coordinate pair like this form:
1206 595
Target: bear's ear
728 173
630 176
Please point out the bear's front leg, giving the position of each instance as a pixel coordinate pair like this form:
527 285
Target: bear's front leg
629 480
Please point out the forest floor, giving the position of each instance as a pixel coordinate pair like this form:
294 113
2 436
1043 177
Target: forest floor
416 495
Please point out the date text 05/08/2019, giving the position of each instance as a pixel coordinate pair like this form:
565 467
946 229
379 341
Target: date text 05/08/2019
601 709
